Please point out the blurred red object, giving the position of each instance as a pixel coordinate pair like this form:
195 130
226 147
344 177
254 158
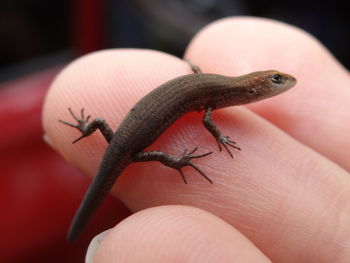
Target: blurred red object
39 191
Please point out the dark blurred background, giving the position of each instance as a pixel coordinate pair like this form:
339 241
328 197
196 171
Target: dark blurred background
37 33
39 191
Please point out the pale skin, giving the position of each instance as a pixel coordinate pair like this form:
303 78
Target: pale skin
284 198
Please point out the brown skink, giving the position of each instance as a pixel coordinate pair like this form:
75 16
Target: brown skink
155 112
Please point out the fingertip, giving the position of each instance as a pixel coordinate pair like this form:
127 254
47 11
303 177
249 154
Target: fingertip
176 234
238 45
106 84
234 46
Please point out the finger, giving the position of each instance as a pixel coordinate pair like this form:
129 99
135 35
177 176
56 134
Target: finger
175 234
315 112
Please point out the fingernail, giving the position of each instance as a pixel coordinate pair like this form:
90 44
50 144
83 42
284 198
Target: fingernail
93 246
47 139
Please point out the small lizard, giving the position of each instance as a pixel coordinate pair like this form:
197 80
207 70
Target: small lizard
154 113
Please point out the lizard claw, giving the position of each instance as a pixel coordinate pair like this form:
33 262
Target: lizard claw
185 160
82 123
225 141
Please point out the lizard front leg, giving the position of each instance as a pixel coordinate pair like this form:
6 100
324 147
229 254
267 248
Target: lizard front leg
219 137
87 128
195 69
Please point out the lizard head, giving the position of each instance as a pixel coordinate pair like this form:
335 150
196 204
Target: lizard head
269 83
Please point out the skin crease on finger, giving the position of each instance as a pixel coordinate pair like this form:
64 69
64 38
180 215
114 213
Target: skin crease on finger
285 197
176 234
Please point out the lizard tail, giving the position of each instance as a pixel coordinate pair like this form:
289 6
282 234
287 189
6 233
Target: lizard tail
96 193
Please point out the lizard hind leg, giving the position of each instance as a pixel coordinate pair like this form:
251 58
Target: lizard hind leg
176 163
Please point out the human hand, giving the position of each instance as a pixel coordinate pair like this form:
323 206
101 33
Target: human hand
286 194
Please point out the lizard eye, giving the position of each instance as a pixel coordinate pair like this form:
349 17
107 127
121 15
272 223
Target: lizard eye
276 78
